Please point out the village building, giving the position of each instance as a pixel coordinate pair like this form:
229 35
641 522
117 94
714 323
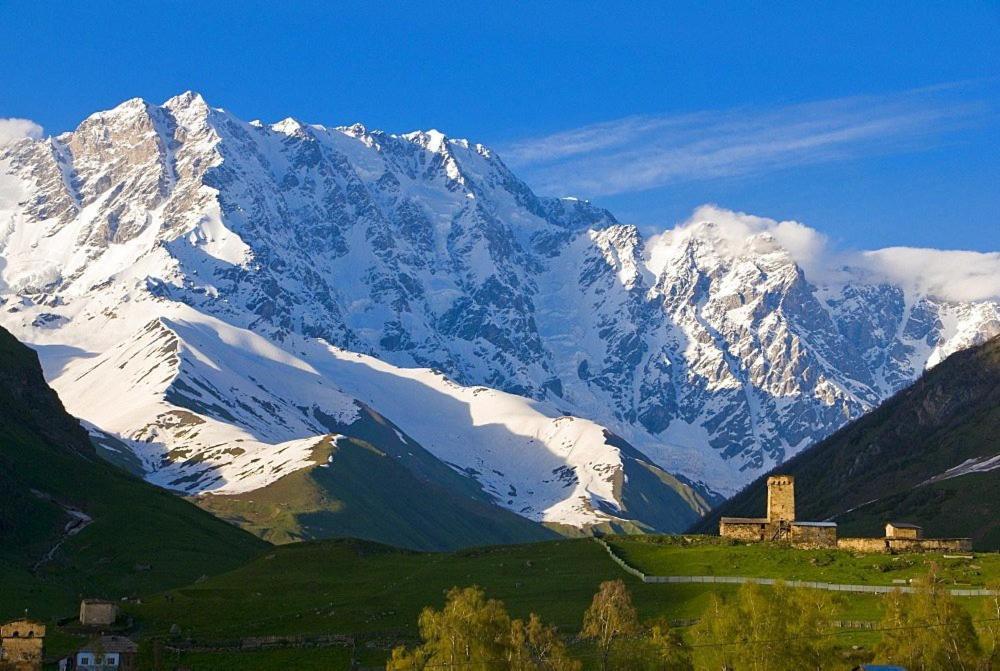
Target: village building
22 644
903 530
780 525
107 653
98 613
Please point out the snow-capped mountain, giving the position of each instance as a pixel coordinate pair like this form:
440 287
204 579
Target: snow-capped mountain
218 297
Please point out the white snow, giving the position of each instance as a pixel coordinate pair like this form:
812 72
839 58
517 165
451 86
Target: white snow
974 465
183 332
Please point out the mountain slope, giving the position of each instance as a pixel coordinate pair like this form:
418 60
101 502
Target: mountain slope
928 455
70 523
287 269
395 491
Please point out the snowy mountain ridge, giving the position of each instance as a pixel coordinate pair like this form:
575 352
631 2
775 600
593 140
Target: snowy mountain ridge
193 281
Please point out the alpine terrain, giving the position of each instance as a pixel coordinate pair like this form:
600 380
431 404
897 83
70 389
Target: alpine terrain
927 455
72 523
316 330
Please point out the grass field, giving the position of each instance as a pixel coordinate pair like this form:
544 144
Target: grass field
375 593
710 555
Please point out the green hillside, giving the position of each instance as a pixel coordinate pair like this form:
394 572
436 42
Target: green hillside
132 537
377 483
877 468
359 490
375 593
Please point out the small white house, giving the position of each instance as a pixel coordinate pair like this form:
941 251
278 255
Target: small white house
107 653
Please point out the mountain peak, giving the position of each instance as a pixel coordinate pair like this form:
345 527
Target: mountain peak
185 100
432 140
705 348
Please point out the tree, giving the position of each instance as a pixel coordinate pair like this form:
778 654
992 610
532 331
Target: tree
719 625
670 653
928 630
765 629
537 647
989 630
470 632
610 617
474 633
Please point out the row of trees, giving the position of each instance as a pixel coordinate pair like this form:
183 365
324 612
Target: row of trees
758 629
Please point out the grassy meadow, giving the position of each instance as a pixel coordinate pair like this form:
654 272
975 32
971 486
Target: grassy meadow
711 555
374 593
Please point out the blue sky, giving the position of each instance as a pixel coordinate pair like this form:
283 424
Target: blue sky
875 123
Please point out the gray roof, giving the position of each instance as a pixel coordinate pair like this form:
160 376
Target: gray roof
110 644
814 524
905 525
743 520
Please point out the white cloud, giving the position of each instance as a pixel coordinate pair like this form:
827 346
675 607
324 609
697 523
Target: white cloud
643 152
12 130
953 275
945 274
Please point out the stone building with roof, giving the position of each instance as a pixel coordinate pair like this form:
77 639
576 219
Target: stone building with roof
22 644
98 612
780 525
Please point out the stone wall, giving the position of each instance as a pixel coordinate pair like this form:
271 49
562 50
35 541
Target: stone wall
862 544
752 531
814 536
905 544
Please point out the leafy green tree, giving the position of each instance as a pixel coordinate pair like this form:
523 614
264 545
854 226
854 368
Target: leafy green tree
716 630
537 647
475 633
611 617
989 630
659 648
765 629
470 632
670 653
928 630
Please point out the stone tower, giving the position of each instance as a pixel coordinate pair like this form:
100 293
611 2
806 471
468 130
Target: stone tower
22 643
781 498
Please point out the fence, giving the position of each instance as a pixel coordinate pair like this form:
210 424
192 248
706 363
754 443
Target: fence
739 580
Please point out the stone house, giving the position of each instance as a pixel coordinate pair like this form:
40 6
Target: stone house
22 644
903 530
98 613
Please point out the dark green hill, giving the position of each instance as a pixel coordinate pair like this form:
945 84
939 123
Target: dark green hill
881 466
72 524
371 484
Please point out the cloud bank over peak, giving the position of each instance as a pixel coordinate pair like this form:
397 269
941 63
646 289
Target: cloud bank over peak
951 275
12 130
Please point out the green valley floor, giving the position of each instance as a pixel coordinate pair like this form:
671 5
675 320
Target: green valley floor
371 594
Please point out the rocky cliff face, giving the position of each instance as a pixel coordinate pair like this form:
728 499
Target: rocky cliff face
712 354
